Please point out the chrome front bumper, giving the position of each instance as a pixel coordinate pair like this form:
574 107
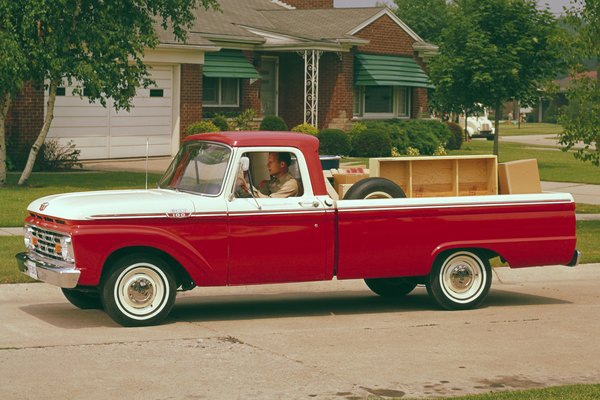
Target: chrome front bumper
42 271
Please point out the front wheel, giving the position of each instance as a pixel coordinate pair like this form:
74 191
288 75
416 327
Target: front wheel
140 291
459 281
391 287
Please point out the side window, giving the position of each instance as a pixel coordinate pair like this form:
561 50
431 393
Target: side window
270 175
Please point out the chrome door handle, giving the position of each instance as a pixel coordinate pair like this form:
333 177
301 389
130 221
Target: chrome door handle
308 204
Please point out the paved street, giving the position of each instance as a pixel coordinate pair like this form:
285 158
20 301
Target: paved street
534 140
328 340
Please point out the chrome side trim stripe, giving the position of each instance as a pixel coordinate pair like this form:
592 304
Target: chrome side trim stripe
153 215
210 215
281 212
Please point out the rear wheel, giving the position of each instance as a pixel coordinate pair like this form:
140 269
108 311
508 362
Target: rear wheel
374 188
392 287
83 299
460 280
139 291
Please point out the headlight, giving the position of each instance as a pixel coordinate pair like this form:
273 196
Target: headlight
66 249
28 237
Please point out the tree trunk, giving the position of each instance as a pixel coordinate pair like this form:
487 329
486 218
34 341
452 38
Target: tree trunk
497 128
4 105
467 138
35 149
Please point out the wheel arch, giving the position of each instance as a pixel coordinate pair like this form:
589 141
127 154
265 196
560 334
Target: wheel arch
182 277
484 253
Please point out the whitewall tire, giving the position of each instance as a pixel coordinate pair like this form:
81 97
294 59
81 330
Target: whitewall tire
460 280
139 291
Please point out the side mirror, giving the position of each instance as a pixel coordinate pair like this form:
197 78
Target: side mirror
245 163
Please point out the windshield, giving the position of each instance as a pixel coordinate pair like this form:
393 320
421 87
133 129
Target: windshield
199 167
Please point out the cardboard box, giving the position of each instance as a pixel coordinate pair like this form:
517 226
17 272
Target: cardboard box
519 177
344 179
342 189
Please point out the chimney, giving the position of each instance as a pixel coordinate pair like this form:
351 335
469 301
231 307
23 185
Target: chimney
309 4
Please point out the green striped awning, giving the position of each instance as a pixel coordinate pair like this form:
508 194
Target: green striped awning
228 64
379 70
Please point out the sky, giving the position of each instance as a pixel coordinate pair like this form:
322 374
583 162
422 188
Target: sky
556 6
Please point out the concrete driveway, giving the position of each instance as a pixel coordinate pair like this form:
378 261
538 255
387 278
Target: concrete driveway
329 340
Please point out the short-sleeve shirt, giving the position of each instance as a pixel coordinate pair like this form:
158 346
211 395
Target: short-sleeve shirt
286 186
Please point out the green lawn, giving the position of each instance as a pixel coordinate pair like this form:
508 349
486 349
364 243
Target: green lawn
571 392
530 129
588 209
554 165
9 273
588 241
14 199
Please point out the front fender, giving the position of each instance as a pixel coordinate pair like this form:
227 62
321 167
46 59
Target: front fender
202 254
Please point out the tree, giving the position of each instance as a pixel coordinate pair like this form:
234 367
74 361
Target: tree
495 51
12 63
94 45
581 119
427 18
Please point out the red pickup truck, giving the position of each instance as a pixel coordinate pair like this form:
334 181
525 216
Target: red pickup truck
129 251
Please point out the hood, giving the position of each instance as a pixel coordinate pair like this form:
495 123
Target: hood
114 204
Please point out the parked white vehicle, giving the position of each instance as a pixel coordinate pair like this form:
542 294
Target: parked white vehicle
478 126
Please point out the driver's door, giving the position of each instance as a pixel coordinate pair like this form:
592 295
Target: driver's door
278 239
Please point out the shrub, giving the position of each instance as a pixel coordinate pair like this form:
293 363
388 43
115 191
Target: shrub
426 142
440 151
56 157
273 123
357 128
243 120
334 142
306 128
372 142
201 127
221 122
456 138
424 135
411 151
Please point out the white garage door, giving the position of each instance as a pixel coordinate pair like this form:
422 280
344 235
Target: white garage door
105 133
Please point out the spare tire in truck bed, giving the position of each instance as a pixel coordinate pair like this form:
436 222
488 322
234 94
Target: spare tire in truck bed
374 188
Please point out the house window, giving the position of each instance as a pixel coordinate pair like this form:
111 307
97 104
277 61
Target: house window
379 99
221 92
157 92
402 102
375 102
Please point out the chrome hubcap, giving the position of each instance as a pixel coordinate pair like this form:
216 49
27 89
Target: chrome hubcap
461 278
140 292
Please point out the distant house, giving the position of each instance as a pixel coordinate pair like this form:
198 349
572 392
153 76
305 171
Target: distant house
300 59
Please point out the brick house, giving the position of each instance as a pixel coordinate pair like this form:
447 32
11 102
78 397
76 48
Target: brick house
303 60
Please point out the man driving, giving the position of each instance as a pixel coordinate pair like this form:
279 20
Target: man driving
281 184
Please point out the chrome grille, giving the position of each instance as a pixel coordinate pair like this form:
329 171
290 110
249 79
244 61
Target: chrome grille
486 127
46 243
